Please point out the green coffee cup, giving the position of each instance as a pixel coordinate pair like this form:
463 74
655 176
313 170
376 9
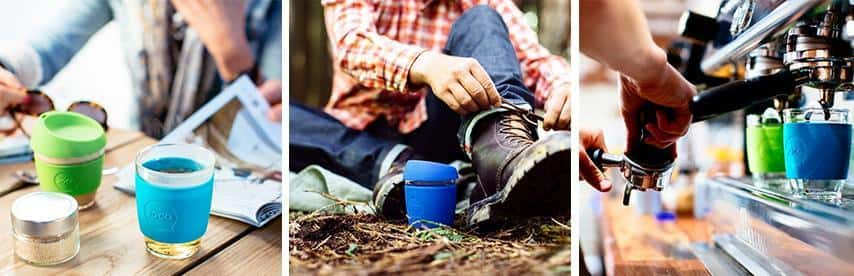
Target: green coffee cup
765 149
69 154
765 156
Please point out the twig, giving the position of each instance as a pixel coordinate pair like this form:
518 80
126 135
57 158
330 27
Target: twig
561 224
322 242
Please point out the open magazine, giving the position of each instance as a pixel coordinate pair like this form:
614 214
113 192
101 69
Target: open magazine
248 148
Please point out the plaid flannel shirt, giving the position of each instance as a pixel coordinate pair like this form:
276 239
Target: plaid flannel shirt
375 43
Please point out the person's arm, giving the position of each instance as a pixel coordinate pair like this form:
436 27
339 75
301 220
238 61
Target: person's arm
373 59
221 25
548 75
50 46
377 61
615 33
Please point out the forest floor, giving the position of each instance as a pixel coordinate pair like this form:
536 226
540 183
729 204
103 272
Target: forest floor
363 244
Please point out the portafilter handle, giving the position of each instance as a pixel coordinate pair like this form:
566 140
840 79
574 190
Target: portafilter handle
741 94
604 160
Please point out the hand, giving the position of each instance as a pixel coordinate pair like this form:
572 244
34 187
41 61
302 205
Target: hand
587 169
459 82
12 92
558 109
667 90
272 91
221 25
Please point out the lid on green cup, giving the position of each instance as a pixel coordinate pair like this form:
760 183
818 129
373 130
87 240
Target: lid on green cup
59 134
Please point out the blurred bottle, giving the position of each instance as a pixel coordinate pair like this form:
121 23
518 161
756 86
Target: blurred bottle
678 197
702 200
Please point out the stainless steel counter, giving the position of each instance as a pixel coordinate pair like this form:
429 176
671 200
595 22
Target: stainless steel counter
769 232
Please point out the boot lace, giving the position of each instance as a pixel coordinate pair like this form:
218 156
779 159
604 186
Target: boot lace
528 115
519 127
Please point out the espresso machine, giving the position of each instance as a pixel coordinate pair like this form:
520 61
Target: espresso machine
785 47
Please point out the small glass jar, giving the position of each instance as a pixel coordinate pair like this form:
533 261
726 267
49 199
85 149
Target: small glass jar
45 228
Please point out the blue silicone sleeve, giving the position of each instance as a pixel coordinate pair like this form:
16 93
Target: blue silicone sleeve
173 215
818 151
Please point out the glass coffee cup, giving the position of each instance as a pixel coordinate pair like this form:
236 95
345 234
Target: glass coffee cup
174 189
69 152
765 155
817 145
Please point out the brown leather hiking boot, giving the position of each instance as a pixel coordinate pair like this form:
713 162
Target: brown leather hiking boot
519 175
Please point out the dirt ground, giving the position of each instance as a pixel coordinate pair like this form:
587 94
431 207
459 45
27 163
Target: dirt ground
361 244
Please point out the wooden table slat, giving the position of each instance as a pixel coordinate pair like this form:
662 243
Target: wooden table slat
251 255
638 245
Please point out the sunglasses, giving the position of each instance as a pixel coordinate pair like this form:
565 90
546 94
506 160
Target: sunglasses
37 102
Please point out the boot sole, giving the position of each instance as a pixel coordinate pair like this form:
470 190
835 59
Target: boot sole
540 186
389 202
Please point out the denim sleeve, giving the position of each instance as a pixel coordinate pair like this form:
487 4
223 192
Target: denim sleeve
51 45
270 52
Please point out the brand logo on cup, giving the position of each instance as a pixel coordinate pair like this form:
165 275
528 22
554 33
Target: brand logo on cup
63 182
163 215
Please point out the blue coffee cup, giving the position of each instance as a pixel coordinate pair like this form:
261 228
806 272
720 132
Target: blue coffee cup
817 146
430 192
174 189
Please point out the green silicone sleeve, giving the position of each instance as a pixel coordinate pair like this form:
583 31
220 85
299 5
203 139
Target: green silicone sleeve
77 179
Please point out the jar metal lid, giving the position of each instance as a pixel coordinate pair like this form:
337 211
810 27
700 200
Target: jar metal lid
44 214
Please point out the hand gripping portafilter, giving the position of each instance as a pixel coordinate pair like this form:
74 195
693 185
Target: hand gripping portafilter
648 167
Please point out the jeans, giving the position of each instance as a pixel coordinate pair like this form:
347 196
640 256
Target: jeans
317 138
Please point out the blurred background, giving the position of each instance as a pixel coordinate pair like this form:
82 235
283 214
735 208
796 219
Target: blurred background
97 73
310 64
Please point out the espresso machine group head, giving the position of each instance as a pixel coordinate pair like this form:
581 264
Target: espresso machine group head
819 52
785 45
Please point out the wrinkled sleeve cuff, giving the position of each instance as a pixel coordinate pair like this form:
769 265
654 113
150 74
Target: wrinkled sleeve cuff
397 66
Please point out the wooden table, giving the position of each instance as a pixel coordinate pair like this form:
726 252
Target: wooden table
112 244
638 245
